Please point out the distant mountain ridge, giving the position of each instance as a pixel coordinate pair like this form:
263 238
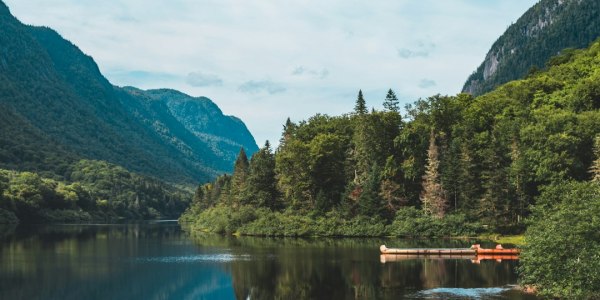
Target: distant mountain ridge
545 30
56 108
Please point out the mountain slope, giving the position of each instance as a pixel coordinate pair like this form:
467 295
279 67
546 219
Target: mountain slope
543 31
224 135
58 107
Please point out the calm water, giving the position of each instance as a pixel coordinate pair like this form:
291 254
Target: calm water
160 261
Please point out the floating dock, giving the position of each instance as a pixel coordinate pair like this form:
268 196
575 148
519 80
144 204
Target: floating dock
427 251
474 250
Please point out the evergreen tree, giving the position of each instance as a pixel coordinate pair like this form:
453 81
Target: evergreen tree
595 169
391 102
433 196
261 187
361 106
238 180
390 190
326 167
199 197
362 151
288 131
369 201
468 181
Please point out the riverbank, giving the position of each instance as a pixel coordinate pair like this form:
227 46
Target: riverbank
407 222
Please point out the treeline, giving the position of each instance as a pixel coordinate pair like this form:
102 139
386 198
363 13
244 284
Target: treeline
481 161
91 191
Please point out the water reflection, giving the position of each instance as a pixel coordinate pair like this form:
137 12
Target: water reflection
351 269
102 262
159 261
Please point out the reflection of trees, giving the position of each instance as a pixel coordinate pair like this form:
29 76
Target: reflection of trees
76 262
6 230
419 274
346 269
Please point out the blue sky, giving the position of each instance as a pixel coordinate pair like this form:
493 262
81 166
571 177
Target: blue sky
264 61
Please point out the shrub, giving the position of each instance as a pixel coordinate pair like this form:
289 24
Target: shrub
411 222
561 257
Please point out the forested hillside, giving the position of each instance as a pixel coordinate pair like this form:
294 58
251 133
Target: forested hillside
471 163
549 27
91 191
58 108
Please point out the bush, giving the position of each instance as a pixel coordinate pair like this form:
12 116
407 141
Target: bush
561 257
410 222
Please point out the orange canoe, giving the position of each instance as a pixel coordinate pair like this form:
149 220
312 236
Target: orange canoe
499 250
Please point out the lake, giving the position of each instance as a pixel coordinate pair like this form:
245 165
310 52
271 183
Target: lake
158 260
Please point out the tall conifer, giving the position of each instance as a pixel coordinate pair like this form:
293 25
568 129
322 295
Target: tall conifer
361 106
240 174
433 196
391 102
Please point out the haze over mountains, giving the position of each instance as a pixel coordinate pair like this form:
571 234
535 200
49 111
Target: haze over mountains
545 30
56 108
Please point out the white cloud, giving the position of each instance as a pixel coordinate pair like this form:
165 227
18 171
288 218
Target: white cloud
303 71
199 79
421 49
336 47
262 86
427 83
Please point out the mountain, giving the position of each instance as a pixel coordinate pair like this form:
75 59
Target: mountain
222 135
545 30
57 108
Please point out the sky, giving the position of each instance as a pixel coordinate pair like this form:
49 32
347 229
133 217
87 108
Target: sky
264 61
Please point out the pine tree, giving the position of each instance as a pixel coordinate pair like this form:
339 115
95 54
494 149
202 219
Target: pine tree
391 102
595 168
261 184
361 106
362 148
370 202
288 131
199 197
240 174
391 190
433 196
362 151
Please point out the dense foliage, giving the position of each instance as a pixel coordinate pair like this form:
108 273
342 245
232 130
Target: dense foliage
546 29
94 191
57 108
562 254
481 161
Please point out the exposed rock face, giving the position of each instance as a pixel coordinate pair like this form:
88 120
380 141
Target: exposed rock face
491 65
542 32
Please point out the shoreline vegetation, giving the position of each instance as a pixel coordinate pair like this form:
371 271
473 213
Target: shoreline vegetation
249 221
524 158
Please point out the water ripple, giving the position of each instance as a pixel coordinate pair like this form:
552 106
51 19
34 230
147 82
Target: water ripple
195 258
462 293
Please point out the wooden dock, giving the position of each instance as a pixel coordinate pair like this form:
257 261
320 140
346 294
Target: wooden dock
474 250
427 251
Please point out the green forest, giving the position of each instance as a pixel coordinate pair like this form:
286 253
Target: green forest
92 191
522 158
